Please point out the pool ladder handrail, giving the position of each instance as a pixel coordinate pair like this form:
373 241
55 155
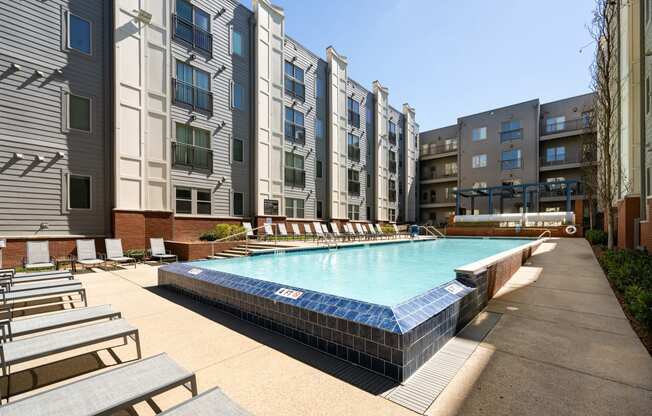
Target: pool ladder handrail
429 231
246 235
544 233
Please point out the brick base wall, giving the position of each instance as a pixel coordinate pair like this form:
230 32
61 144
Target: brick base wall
628 210
646 228
16 251
198 250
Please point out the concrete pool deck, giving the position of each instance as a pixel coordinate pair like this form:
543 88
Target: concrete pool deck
562 346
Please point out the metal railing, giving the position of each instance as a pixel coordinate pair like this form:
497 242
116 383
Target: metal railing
435 200
564 126
544 233
509 135
578 157
186 31
435 149
511 164
192 156
193 96
434 175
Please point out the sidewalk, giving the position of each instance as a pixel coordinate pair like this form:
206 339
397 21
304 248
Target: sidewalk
562 347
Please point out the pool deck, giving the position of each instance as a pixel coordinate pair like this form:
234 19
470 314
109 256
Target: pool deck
562 346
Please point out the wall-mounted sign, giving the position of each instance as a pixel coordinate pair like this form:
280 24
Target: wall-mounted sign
453 288
270 206
289 293
194 272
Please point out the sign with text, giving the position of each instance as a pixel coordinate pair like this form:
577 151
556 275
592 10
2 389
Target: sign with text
453 288
194 272
289 293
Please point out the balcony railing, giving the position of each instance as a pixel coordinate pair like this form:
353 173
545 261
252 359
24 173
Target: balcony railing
198 38
557 190
295 133
436 149
509 135
439 200
295 177
354 153
189 156
564 126
511 164
190 95
354 188
567 158
425 175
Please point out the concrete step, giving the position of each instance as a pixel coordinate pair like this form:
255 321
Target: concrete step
226 254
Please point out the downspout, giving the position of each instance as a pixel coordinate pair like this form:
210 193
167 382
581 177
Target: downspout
643 111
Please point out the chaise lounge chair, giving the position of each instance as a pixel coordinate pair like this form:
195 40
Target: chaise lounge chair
9 279
38 256
108 392
114 252
283 232
86 254
9 299
249 230
296 232
209 403
158 251
307 232
269 231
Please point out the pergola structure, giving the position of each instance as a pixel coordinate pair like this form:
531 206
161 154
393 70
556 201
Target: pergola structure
526 191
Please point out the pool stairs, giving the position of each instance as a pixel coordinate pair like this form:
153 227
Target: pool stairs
242 250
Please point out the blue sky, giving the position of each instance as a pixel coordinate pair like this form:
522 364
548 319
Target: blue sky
450 58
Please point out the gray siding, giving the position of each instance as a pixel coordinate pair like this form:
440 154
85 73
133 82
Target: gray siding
364 98
226 123
370 135
321 193
396 117
33 118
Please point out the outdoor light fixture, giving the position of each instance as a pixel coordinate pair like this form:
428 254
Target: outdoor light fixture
220 13
40 158
39 74
192 57
143 16
223 123
15 67
60 155
19 156
193 117
58 71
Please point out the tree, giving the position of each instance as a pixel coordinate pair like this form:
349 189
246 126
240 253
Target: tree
604 82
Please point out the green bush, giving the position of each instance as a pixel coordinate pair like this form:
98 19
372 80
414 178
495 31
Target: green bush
596 237
639 302
387 229
138 254
221 231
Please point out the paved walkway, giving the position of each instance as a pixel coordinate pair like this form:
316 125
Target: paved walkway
561 347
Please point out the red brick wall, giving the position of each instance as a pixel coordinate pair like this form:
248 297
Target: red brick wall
159 225
197 250
646 228
628 210
16 251
130 227
189 229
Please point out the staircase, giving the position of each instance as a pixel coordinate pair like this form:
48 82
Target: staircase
242 250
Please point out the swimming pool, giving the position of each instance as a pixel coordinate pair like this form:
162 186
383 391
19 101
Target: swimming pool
387 306
387 274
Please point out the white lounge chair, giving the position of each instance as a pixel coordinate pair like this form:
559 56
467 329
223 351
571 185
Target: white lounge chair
107 392
399 233
296 232
8 280
269 231
379 231
307 231
319 232
157 246
359 230
57 293
282 230
38 256
249 230
336 231
209 403
350 232
370 230
86 254
114 252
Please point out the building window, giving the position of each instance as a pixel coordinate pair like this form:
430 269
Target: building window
368 181
192 25
79 113
554 124
183 201
192 88
319 87
353 109
294 129
79 34
203 202
270 206
320 212
238 204
511 159
556 154
237 43
353 151
238 150
319 128
319 169
392 161
354 212
354 182
392 133
391 215
192 201
79 192
370 117
392 190
238 96
587 118
510 130
294 208
294 173
294 85
192 148
479 161
479 133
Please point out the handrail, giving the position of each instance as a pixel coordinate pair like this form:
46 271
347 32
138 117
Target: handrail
438 232
246 240
544 233
427 230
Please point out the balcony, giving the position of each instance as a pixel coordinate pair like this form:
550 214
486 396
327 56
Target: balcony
295 133
509 135
189 95
354 188
577 125
511 164
568 160
198 39
438 149
557 192
433 176
295 177
435 202
192 157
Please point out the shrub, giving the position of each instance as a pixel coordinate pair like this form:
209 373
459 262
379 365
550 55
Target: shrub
387 229
596 237
136 253
221 231
639 302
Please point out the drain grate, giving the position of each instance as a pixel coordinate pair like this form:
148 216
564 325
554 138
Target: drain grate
422 389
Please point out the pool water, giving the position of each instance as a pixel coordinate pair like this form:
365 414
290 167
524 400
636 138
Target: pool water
384 274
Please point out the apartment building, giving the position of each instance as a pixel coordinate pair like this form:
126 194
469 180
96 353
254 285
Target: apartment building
545 147
168 119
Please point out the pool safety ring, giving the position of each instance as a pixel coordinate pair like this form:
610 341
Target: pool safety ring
571 229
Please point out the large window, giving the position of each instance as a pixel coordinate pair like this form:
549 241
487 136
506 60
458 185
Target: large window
294 208
79 192
238 150
79 113
192 25
320 209
79 34
556 154
353 109
238 204
479 133
295 175
391 214
192 88
237 43
479 161
392 133
238 96
192 201
353 151
354 212
554 124
192 148
294 85
511 159
392 161
294 129
319 168
392 190
511 130
354 182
